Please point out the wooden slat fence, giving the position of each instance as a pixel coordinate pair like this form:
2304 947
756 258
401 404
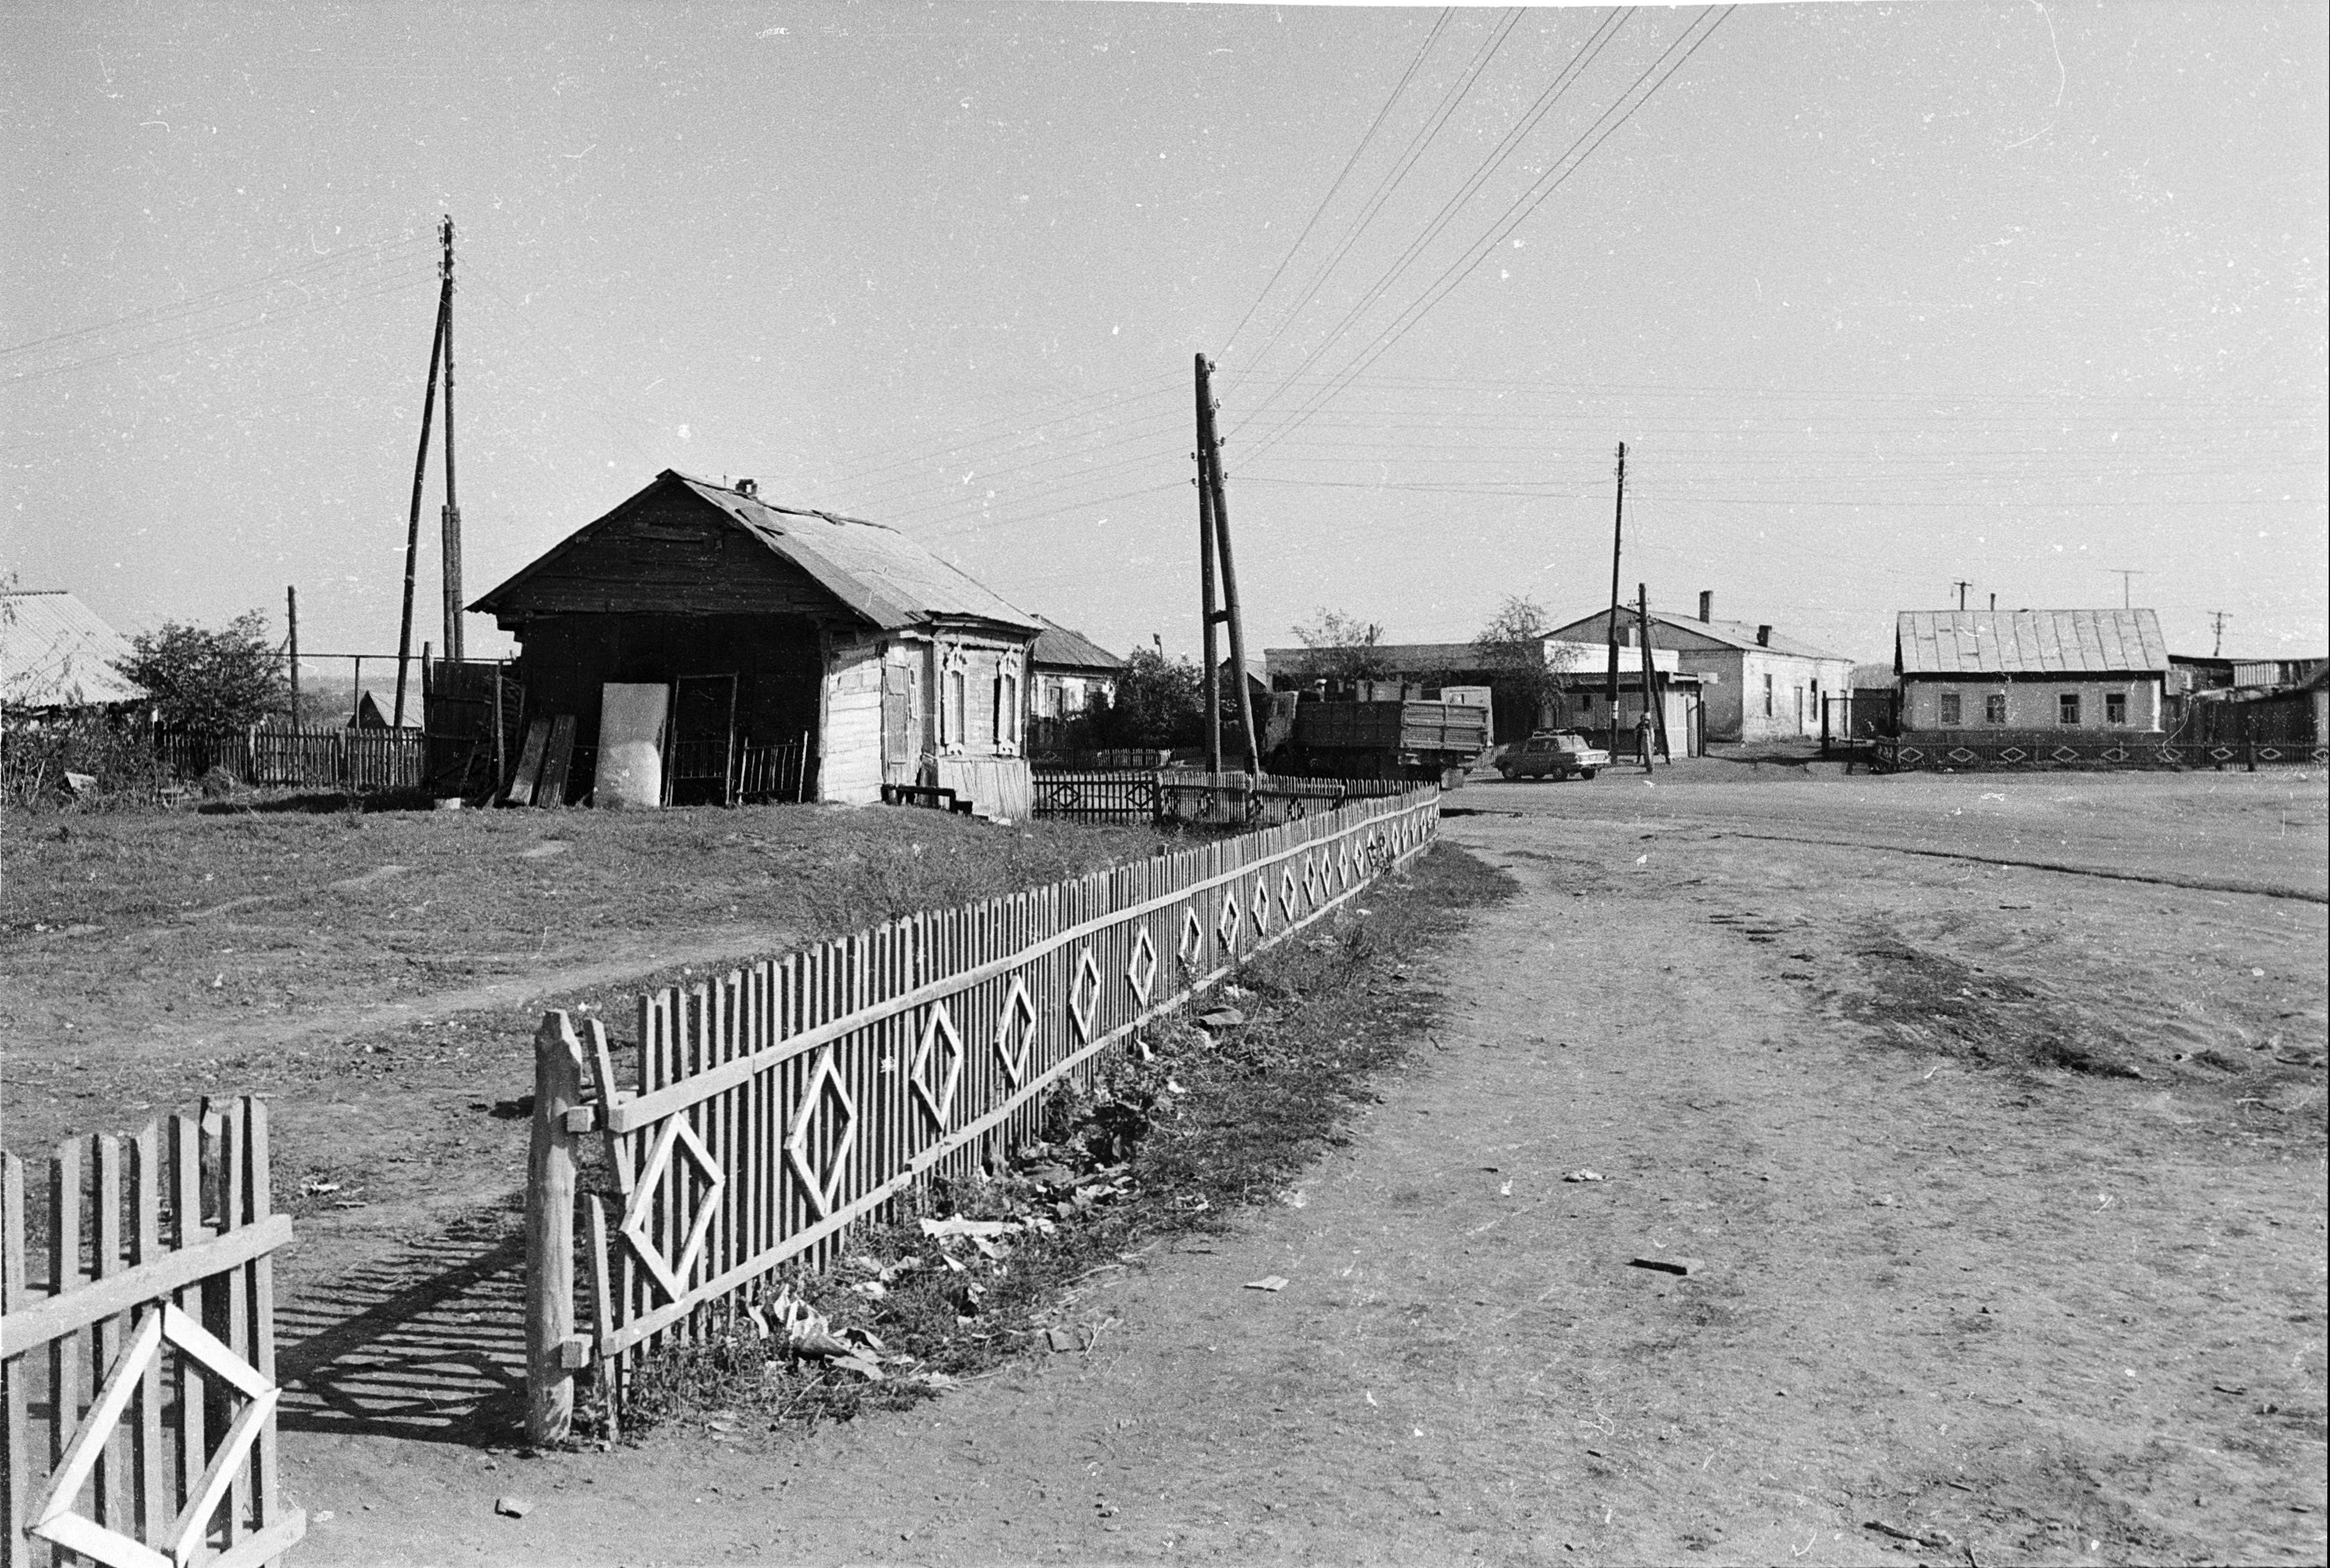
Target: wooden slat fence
138 1367
1169 794
778 1106
310 758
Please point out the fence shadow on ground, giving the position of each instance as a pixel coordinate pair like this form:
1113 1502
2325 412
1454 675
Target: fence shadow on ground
427 1343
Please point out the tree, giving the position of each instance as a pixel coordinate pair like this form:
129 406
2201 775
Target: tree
209 681
1159 702
1346 646
1524 674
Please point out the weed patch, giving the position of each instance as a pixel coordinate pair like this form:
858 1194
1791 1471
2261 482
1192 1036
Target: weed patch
1196 1122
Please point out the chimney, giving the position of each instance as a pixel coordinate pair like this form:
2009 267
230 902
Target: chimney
1707 604
748 488
1763 636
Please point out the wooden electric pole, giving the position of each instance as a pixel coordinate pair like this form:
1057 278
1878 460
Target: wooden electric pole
1654 701
413 522
291 620
451 648
1209 615
1210 454
1618 535
2217 619
1962 585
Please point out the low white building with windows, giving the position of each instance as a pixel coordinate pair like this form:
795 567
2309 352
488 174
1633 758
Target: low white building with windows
1987 673
1757 683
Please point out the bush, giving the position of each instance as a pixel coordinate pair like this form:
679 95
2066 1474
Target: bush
119 758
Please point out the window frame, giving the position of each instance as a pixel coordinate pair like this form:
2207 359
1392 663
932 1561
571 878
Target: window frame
2067 710
1994 707
1952 709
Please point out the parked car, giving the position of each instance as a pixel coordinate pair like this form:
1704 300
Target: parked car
1554 753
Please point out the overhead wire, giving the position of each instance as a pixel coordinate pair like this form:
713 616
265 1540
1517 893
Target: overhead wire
1417 143
1561 172
1432 36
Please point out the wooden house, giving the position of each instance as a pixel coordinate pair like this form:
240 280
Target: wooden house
1991 674
706 644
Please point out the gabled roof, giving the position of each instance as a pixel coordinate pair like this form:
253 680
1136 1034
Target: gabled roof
2028 642
872 569
1061 648
54 652
1728 634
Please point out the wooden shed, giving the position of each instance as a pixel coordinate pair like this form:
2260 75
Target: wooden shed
797 653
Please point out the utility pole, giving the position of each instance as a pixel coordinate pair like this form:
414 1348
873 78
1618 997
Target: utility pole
451 646
2217 619
291 619
1617 534
412 523
2126 579
1209 453
1209 617
1994 604
1654 701
1961 585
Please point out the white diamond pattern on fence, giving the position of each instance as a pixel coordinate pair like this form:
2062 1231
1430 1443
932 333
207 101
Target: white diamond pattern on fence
1193 950
827 1117
1084 995
647 1192
53 1516
938 1066
1015 1032
1140 969
1258 905
1289 898
1227 927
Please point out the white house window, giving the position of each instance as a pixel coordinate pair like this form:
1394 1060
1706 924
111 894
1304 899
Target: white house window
2066 708
954 720
1007 711
1767 697
1952 710
1994 707
2114 707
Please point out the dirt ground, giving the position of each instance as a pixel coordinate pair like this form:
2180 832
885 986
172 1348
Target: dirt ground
2005 1187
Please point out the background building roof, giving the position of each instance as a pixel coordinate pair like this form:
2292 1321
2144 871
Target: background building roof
1725 633
54 652
1057 647
2028 642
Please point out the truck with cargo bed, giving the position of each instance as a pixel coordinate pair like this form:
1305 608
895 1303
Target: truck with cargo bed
1412 739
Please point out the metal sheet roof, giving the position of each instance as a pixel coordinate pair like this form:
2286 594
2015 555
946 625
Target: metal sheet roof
1061 648
54 652
2028 642
873 568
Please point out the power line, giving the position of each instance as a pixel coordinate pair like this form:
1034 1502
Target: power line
1528 202
1406 76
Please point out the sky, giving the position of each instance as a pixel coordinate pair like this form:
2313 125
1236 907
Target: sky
1881 298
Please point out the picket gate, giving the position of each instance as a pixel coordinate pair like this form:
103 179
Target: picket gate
137 1372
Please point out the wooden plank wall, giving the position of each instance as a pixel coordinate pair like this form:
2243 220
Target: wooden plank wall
157 1262
775 1107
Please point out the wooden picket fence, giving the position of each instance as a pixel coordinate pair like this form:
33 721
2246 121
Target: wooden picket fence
780 1105
138 1370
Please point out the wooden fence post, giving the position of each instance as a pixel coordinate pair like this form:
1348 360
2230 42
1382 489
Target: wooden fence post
550 1232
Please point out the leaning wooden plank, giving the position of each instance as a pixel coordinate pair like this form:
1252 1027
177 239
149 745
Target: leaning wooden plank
64 1280
528 778
556 761
115 1508
153 1479
259 1205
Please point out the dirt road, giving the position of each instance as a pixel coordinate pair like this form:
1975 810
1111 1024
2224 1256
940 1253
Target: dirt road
1967 1289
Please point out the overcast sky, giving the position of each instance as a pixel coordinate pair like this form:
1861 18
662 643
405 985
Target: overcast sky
1881 298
